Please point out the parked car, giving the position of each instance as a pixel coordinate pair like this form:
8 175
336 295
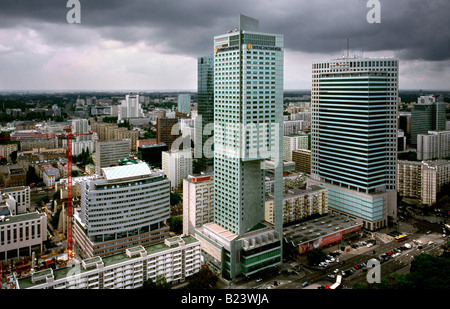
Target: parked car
305 284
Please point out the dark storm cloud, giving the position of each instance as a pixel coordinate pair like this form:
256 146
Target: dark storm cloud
413 29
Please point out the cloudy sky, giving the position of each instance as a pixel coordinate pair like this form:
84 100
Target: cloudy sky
152 45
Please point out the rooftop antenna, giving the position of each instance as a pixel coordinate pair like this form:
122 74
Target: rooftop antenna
347 46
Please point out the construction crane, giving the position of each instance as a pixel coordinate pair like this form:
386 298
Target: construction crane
69 135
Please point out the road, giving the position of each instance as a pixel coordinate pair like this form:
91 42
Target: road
393 265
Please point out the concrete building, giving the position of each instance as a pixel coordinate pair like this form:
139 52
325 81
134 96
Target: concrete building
198 202
293 142
422 180
434 175
167 130
409 179
21 235
51 175
299 204
108 153
6 150
130 108
22 197
175 259
239 236
177 165
302 159
319 232
124 207
434 145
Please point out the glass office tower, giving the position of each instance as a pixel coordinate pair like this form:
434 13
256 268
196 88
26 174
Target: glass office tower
354 136
204 123
248 107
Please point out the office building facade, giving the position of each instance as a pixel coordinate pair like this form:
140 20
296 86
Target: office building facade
204 122
248 99
124 207
354 136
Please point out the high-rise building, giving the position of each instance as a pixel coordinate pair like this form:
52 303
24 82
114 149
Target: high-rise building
248 107
130 108
177 165
427 115
198 201
123 207
167 131
108 153
434 145
204 122
354 136
184 103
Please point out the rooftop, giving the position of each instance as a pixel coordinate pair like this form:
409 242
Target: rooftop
87 264
126 171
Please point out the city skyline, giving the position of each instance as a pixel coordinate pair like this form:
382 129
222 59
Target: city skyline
155 45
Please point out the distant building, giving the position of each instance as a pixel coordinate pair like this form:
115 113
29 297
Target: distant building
6 150
184 103
51 175
130 108
15 177
302 159
299 204
427 116
422 180
21 196
177 165
434 145
152 154
164 129
108 153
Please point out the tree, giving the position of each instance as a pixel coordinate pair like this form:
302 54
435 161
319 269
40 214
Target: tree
175 198
176 224
13 156
203 279
316 256
159 284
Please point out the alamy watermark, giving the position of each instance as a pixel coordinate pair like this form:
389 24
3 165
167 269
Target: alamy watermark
248 141
74 14
374 274
374 14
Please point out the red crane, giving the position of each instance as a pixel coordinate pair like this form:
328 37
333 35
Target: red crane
69 135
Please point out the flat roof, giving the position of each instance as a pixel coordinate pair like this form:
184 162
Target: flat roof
126 171
317 228
22 217
62 273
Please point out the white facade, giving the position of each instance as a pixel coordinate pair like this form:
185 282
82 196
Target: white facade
434 145
293 142
175 259
22 234
130 108
125 207
50 176
198 202
292 126
177 165
434 175
22 197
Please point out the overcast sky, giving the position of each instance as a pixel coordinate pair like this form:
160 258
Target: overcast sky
153 45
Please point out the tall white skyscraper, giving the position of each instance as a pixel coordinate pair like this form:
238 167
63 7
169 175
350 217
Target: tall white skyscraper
130 108
354 136
248 107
